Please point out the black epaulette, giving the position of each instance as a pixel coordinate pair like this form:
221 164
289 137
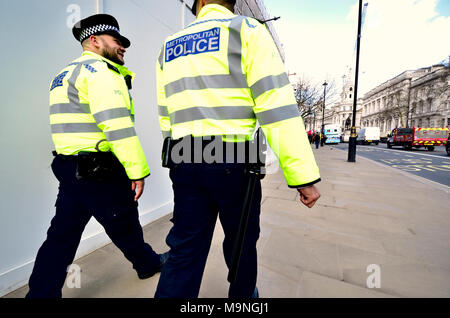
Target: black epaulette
112 67
128 81
265 21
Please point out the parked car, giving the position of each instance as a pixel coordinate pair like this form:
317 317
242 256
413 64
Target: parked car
368 135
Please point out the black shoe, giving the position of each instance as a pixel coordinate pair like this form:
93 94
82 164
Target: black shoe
162 260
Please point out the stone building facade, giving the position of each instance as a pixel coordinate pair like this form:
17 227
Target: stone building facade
341 113
418 98
430 99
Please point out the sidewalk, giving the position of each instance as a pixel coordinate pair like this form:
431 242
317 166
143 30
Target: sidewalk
368 214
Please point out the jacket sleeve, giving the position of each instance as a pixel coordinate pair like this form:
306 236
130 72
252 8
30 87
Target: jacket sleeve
108 104
276 108
163 113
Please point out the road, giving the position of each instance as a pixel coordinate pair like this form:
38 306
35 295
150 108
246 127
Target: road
432 165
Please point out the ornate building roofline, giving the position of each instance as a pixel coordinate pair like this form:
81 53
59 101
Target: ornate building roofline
440 71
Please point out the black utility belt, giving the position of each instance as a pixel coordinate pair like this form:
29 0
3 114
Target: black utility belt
213 150
96 166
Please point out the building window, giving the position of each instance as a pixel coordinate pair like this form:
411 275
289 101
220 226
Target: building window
350 89
420 123
350 96
443 123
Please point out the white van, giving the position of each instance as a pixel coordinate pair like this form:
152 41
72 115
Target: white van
368 135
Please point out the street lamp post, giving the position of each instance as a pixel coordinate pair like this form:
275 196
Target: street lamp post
323 111
352 139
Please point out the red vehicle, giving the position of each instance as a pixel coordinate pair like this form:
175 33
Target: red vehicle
418 137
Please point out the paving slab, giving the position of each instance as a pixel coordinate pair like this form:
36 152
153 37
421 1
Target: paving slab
313 285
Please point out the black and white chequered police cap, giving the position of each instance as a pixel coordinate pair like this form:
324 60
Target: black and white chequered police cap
98 24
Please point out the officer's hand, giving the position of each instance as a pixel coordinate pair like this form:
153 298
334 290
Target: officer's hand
137 185
309 196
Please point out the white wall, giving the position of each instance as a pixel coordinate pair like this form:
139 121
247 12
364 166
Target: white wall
36 44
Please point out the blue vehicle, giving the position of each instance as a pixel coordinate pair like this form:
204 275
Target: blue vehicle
332 134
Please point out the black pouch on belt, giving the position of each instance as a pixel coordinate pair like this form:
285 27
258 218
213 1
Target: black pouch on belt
165 153
99 166
257 155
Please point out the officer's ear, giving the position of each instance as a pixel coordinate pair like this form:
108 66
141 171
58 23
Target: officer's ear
200 5
95 42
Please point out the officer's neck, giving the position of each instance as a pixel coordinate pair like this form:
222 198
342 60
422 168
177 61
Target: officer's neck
100 55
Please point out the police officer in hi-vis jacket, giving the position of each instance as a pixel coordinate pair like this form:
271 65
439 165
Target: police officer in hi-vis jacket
99 161
215 79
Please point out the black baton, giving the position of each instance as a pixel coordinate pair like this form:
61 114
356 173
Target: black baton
239 243
254 172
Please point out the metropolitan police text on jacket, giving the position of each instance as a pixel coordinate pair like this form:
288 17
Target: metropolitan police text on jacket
195 43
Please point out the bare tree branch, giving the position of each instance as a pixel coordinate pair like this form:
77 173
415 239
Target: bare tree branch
309 95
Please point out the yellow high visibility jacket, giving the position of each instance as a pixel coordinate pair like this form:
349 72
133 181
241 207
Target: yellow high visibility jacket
90 106
219 75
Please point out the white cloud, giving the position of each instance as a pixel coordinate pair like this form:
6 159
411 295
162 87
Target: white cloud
400 35
318 51
397 36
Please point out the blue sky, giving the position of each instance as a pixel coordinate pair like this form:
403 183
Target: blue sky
443 7
319 37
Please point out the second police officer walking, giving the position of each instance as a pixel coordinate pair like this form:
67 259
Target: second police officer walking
99 161
215 79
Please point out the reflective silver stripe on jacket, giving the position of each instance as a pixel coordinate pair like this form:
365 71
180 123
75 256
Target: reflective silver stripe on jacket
219 113
120 134
268 83
74 128
112 113
209 81
163 110
278 114
69 108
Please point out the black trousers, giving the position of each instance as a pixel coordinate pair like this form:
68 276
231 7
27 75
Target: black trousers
113 206
201 193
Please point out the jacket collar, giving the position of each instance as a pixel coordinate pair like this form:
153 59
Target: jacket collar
214 9
122 69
